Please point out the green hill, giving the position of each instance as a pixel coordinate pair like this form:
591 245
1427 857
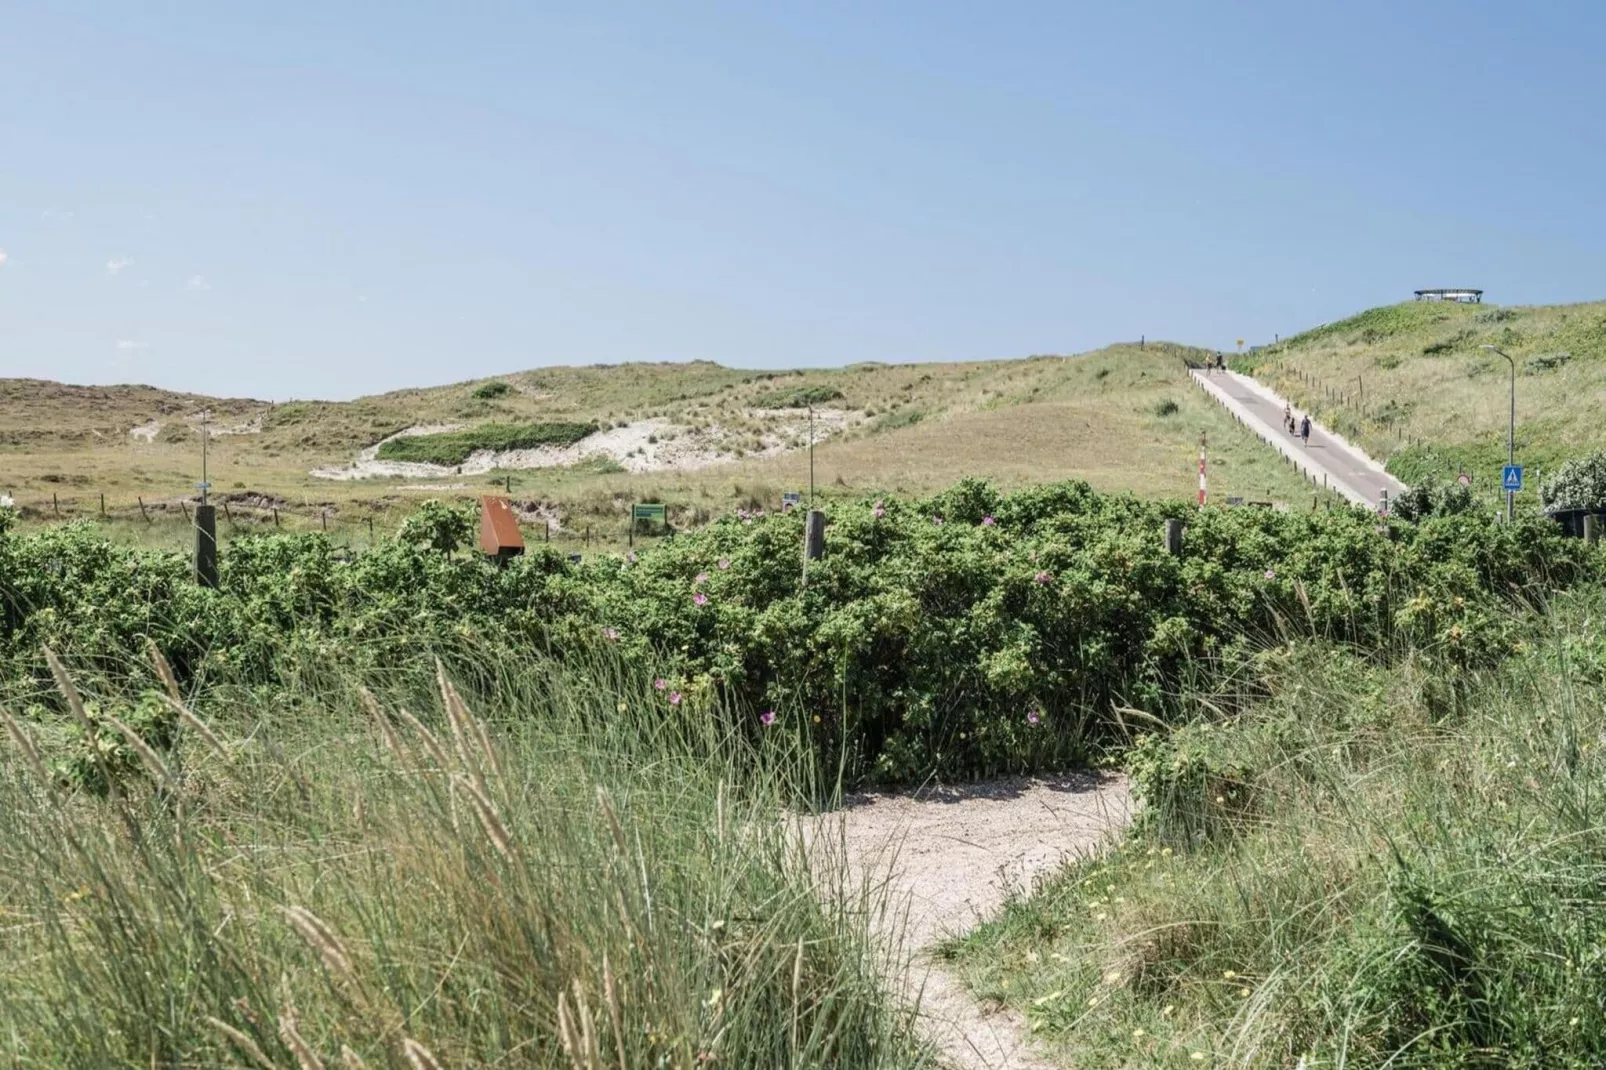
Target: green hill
1412 384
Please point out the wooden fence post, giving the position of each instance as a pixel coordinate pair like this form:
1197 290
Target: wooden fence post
1173 537
143 514
206 545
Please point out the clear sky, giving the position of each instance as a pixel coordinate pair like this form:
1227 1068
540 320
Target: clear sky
290 199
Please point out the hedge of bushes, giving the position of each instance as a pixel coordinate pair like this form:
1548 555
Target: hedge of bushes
970 633
455 447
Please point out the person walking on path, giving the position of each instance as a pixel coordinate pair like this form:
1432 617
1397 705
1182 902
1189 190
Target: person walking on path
1288 418
1304 430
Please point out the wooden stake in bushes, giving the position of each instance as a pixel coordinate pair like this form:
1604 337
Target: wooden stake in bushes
206 573
275 516
323 518
54 506
103 503
143 514
1173 537
186 509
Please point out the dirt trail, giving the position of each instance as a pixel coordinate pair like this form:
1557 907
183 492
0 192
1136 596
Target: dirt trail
948 857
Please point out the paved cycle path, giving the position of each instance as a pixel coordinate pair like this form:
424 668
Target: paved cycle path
1328 459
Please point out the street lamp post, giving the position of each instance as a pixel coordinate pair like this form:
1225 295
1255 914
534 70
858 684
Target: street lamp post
1511 431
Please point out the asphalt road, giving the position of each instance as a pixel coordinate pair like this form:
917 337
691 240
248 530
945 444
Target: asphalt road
1348 469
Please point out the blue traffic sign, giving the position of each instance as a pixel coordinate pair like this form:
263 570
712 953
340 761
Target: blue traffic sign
1511 477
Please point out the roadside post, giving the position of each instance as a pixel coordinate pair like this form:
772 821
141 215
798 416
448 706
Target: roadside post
206 572
1511 483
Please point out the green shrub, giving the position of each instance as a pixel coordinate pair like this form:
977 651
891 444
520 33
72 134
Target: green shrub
1166 408
1431 498
439 527
455 447
797 397
493 389
102 758
1579 483
896 420
1448 344
998 639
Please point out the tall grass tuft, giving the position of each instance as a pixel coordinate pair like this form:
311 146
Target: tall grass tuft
573 879
1349 873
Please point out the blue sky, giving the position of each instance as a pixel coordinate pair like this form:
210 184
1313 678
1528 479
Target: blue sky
328 199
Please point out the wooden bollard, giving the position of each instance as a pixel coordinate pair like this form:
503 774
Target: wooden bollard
814 535
206 545
1173 537
1591 528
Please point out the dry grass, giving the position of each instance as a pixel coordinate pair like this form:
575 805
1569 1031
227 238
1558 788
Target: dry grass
1094 417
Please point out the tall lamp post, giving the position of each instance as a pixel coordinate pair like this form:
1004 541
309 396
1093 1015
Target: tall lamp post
1511 431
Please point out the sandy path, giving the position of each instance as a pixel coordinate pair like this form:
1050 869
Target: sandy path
948 857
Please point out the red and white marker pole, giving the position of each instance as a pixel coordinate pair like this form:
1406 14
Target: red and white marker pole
1201 469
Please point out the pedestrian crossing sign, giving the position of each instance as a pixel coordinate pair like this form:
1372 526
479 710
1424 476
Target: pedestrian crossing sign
1511 477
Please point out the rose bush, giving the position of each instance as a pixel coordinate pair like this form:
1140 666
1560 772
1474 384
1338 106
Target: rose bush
1017 634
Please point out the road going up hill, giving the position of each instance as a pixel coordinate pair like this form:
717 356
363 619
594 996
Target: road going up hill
1412 384
1326 458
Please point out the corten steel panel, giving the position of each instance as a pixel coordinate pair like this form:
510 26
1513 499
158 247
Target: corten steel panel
499 528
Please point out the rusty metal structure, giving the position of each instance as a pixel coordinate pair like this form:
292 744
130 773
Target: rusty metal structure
500 537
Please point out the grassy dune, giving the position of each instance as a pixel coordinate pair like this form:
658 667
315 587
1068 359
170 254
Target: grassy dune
1125 418
1370 866
1409 383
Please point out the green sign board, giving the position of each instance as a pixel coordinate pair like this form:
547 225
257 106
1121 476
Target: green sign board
649 512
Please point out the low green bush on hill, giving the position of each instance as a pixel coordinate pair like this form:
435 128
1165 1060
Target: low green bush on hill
796 397
455 447
496 388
